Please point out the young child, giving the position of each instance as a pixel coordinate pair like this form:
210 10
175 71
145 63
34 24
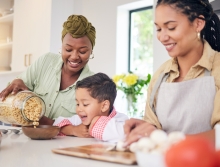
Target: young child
95 96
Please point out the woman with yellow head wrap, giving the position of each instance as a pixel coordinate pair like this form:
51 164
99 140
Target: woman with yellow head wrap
53 77
78 26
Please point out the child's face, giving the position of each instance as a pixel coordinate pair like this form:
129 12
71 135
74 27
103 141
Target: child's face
86 106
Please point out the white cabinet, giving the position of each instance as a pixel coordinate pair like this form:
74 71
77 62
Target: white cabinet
31 30
37 26
6 27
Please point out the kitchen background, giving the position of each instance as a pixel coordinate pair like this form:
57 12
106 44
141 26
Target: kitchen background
30 28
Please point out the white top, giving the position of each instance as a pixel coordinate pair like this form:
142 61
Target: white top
17 150
107 128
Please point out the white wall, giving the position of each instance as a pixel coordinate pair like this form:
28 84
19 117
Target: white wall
111 52
103 15
59 14
159 51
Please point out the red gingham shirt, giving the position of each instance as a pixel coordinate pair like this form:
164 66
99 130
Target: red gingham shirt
99 126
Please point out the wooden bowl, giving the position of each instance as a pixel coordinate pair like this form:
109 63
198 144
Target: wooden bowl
41 132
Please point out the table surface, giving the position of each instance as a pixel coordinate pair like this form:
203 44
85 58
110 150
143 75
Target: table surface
17 150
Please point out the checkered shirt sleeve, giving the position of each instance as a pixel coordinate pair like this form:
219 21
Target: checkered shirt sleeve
99 126
63 123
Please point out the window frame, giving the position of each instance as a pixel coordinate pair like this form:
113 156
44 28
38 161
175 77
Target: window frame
129 32
217 12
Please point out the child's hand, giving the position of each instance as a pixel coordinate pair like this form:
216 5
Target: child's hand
79 131
93 123
82 131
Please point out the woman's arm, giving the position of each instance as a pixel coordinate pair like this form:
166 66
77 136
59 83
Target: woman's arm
15 86
25 80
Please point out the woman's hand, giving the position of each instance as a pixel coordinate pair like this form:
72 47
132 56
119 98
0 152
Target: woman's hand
135 129
16 86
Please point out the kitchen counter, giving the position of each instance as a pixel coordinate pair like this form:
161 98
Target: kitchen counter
17 150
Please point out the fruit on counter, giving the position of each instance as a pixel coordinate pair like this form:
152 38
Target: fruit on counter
120 146
133 147
159 137
218 157
157 143
146 144
192 152
175 137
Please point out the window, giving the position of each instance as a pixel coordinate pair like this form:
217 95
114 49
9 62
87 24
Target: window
141 41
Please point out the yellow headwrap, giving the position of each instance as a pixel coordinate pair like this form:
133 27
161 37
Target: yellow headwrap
78 26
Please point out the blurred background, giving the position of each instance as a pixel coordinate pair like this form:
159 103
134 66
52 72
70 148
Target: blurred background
125 42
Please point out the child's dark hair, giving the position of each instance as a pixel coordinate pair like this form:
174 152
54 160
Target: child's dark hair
100 86
193 9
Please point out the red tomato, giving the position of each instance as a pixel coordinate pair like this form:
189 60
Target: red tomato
218 157
192 152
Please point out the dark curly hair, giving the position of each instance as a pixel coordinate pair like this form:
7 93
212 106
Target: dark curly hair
193 9
100 87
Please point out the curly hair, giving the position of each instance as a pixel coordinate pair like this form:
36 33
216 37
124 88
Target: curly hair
193 9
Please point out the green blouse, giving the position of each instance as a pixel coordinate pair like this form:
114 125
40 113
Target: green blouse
44 76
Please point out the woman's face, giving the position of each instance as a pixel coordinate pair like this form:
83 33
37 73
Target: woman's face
175 31
75 53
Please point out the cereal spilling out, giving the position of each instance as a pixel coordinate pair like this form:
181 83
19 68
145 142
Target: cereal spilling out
24 108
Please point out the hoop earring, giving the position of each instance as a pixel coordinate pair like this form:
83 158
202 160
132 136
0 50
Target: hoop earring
198 36
92 56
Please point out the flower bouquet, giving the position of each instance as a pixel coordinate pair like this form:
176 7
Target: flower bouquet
133 87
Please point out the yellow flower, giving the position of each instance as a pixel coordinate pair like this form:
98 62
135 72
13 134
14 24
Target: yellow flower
130 79
117 78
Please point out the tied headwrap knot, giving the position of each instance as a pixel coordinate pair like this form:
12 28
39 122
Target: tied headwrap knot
78 26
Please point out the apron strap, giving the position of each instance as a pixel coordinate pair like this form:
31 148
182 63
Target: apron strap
162 78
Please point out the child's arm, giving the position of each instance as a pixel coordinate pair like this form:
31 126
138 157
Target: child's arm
108 128
72 126
79 130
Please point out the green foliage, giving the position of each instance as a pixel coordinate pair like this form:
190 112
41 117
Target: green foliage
142 41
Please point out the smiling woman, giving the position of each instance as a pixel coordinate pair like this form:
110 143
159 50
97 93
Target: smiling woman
53 76
184 92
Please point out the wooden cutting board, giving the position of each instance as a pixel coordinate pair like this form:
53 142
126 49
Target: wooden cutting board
98 152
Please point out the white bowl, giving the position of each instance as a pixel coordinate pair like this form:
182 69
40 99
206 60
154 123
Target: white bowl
150 160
